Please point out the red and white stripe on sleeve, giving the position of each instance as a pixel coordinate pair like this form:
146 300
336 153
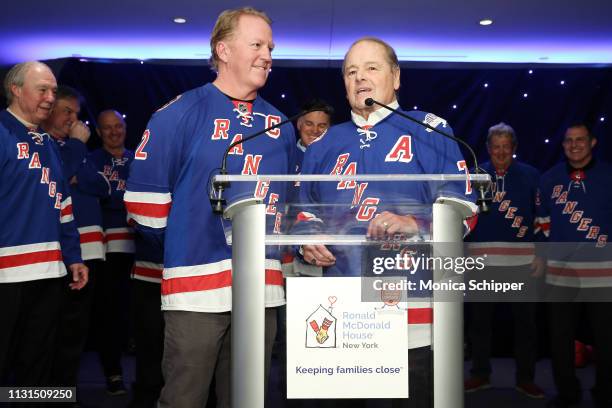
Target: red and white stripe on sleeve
148 209
66 211
92 242
503 253
148 271
579 274
119 240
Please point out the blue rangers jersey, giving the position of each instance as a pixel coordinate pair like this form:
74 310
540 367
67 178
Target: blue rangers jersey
87 187
148 261
118 235
38 230
168 191
505 233
576 206
384 144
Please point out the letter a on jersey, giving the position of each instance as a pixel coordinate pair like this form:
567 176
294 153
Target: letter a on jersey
401 151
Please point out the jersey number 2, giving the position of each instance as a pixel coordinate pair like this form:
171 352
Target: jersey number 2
140 153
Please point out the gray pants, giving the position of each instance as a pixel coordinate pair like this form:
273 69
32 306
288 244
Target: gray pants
196 348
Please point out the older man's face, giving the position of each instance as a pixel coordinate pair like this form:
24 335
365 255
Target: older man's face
64 114
368 74
500 150
35 98
112 130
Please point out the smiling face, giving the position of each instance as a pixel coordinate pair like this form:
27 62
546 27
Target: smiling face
368 73
578 147
312 126
112 130
65 112
246 56
34 100
501 149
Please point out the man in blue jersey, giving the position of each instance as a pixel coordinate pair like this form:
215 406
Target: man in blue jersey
313 125
38 238
87 187
377 141
576 216
504 236
167 200
310 127
110 304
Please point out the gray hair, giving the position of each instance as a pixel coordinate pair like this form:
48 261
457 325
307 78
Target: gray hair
16 76
390 54
502 129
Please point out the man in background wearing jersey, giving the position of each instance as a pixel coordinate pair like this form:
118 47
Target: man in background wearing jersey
576 216
87 187
38 236
505 238
111 298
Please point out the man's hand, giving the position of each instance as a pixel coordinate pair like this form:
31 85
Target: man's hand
318 255
79 131
80 276
387 224
538 267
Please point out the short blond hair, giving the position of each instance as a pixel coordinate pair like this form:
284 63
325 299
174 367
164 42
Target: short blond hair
390 54
225 26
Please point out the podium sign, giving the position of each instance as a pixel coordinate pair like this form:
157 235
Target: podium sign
341 347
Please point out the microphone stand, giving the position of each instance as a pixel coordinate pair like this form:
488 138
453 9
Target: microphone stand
216 196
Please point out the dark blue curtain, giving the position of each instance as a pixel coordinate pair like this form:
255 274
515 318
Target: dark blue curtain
137 90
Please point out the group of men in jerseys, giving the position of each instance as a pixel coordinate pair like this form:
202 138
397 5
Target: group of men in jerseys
40 192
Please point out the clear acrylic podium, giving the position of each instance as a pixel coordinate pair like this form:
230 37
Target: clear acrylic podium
244 221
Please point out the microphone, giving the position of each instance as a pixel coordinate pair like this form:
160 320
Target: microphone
218 202
482 200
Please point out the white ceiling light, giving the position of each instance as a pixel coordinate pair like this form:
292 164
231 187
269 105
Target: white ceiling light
179 20
485 22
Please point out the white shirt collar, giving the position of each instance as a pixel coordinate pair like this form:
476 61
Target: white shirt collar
23 121
374 117
300 145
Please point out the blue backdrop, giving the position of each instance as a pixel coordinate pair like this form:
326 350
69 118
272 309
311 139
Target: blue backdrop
539 105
